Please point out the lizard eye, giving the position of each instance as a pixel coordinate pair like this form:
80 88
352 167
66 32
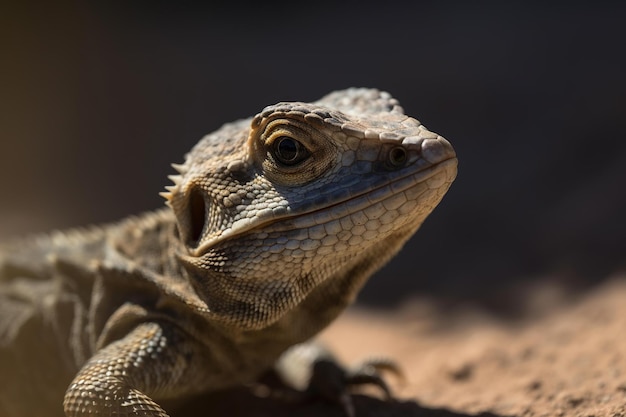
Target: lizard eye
397 157
289 151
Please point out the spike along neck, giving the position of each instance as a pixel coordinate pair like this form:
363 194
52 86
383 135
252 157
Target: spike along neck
176 179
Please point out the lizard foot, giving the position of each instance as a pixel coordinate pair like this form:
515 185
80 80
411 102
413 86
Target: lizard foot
312 371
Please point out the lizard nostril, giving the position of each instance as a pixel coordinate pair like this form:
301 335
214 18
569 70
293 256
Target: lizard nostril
397 156
197 216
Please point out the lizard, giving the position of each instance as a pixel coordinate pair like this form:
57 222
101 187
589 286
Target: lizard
271 227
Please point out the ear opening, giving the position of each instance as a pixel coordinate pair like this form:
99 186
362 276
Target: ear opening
197 210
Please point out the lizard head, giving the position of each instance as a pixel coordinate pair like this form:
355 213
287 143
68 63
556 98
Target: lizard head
303 200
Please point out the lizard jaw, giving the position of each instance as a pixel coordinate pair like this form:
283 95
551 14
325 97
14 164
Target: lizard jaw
391 193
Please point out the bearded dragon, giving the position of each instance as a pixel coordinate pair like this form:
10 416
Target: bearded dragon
271 227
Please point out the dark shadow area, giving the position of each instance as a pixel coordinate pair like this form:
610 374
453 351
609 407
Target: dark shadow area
241 403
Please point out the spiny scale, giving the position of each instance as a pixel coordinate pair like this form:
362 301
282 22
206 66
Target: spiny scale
176 179
180 168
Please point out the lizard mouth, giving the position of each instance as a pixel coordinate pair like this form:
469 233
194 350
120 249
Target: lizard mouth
365 199
344 207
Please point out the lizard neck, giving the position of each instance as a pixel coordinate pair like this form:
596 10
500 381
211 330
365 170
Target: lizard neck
149 242
339 290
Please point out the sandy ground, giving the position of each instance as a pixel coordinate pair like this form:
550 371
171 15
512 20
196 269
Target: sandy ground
566 357
569 360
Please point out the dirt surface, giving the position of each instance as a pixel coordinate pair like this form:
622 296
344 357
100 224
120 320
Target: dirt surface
565 357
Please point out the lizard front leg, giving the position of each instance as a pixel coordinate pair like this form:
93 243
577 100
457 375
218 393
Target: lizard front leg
152 360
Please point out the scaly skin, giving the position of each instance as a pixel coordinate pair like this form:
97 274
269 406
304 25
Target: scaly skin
273 225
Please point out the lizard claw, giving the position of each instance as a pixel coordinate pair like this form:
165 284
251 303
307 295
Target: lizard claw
313 371
370 372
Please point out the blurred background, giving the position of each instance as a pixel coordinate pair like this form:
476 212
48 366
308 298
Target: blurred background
98 98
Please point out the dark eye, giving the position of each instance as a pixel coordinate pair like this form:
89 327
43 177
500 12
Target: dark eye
289 151
397 157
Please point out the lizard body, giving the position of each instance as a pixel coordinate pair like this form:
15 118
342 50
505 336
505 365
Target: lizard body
273 224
